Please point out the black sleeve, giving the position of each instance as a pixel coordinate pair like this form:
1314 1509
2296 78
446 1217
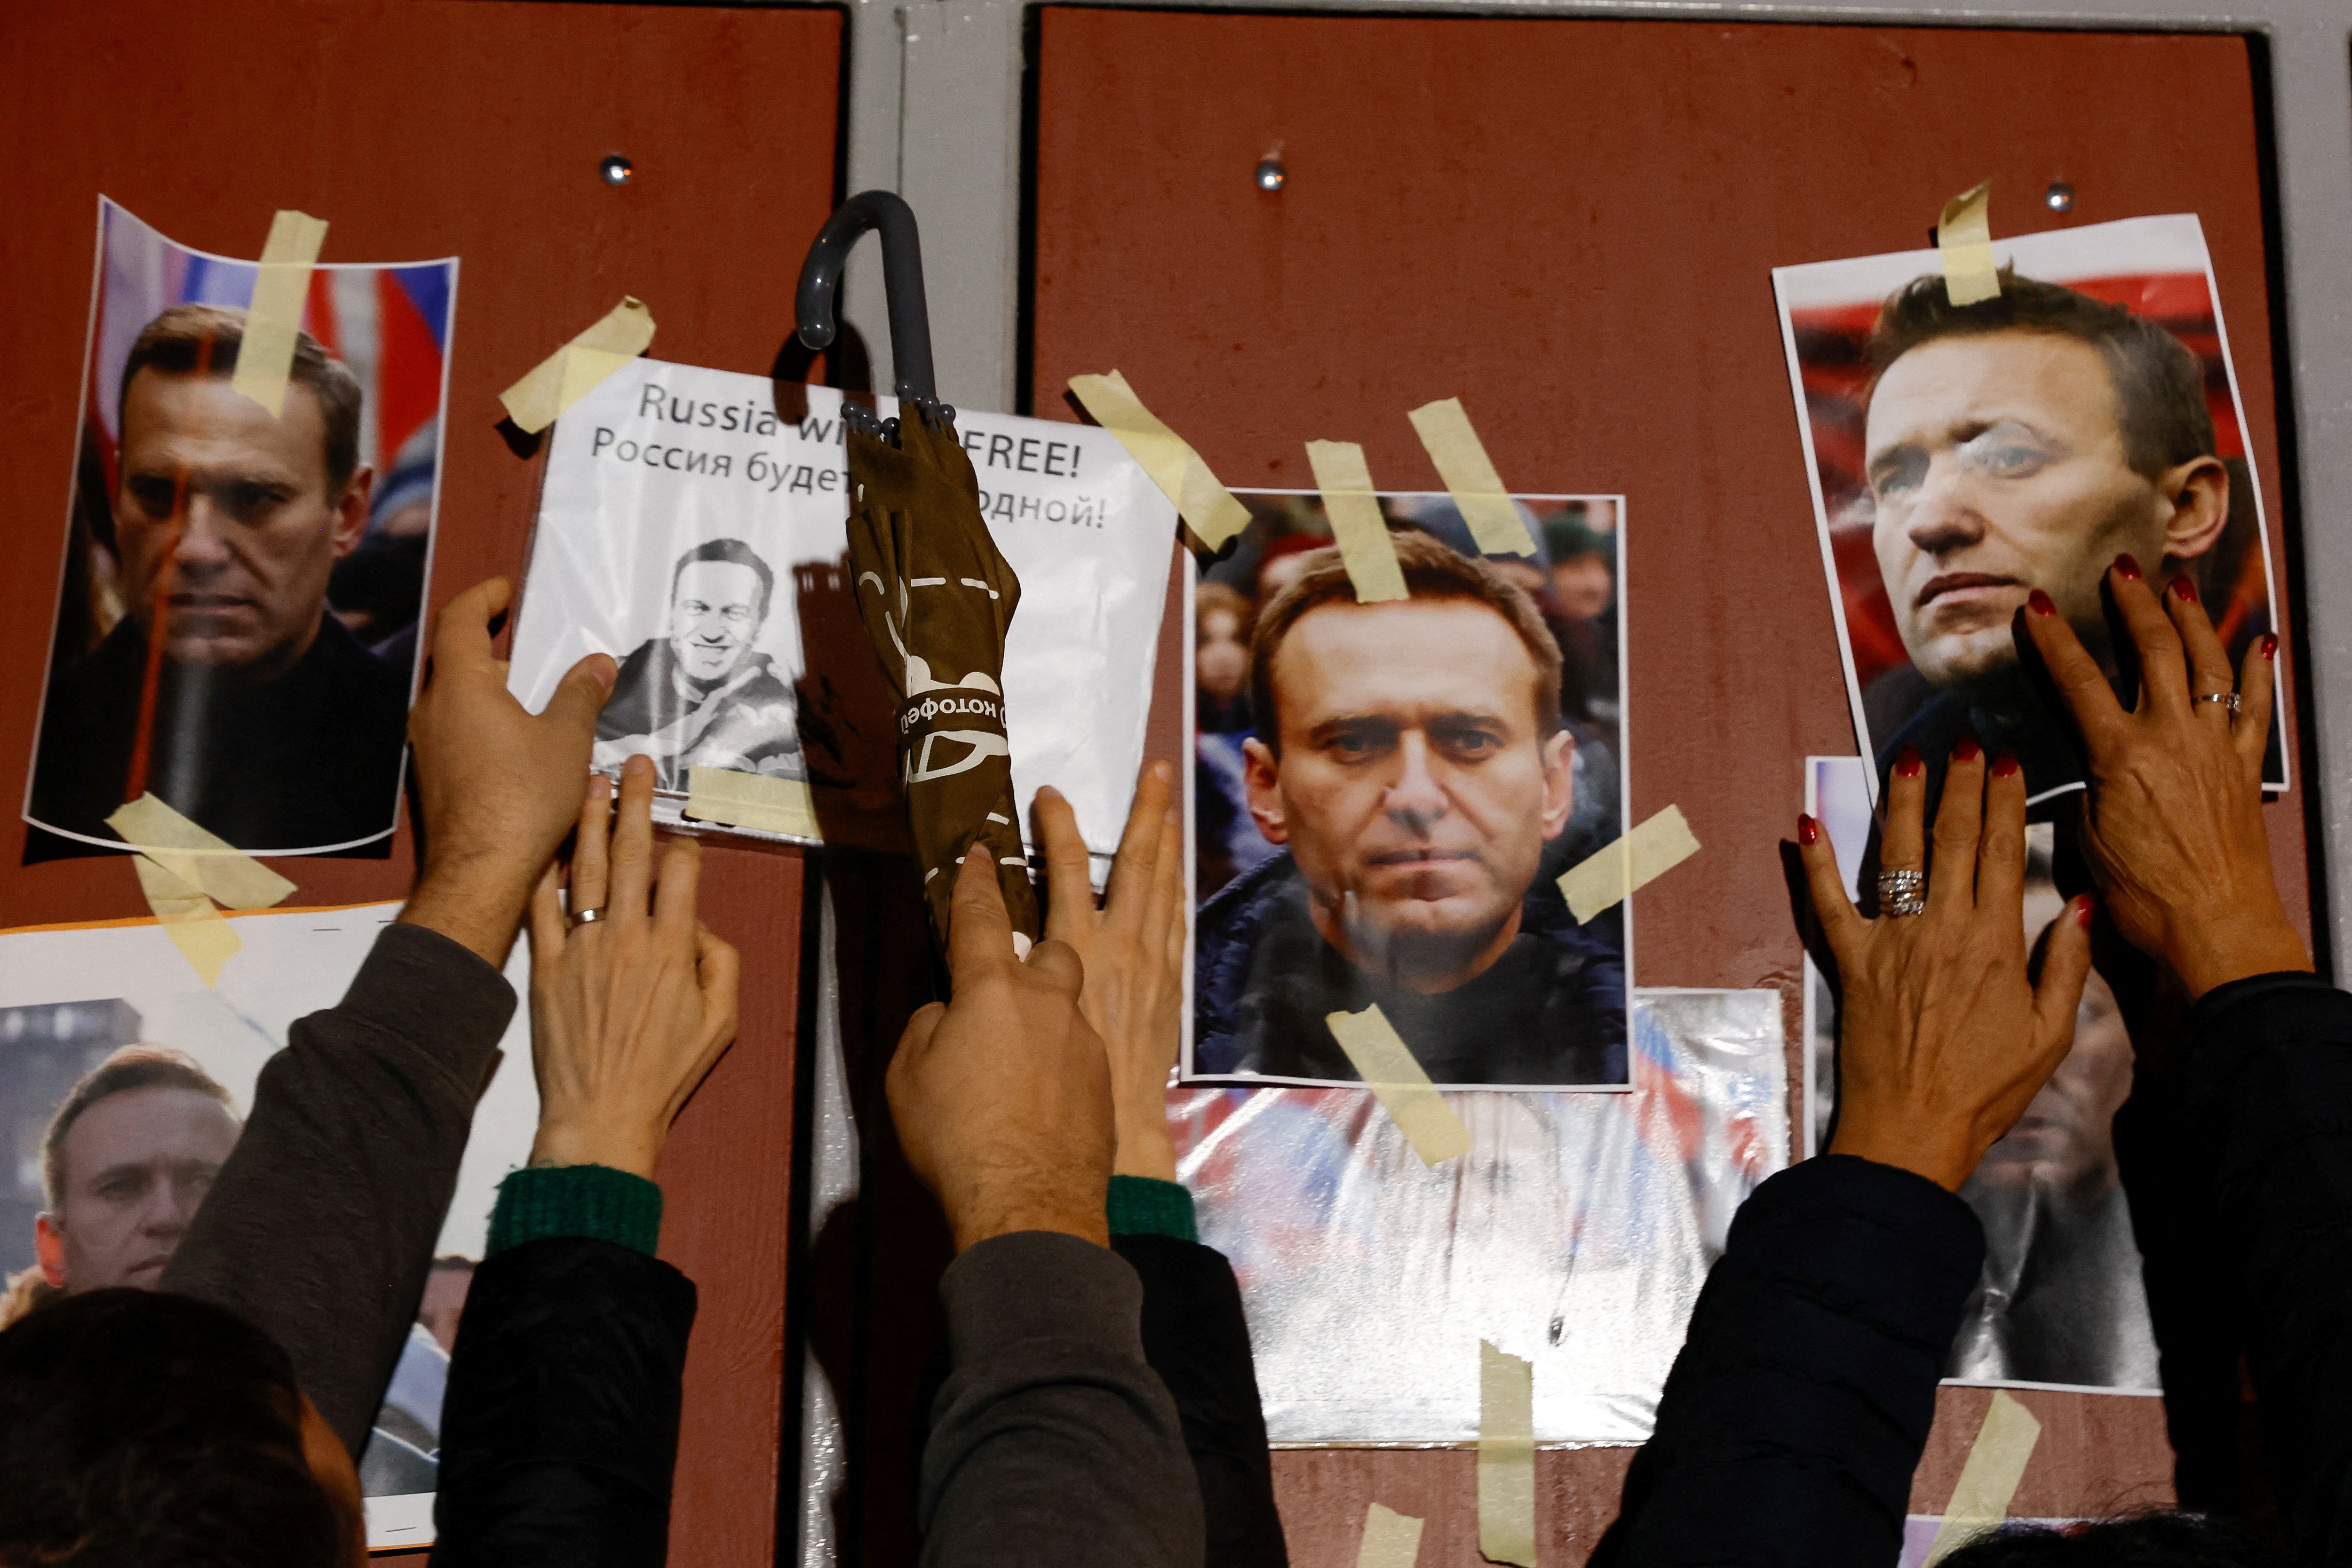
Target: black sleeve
1798 1408
2266 1087
559 1433
1051 1440
321 1225
1195 1337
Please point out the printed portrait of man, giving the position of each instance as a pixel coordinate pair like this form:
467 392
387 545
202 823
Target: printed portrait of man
1411 763
226 687
2019 443
701 694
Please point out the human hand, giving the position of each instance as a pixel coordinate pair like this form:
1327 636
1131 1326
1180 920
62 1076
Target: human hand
629 1011
1943 1038
498 787
1001 1097
1132 950
2172 822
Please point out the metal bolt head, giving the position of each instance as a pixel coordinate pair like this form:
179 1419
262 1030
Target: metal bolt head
2059 197
1271 175
617 170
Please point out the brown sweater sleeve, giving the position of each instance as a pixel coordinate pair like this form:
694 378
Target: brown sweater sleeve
321 1225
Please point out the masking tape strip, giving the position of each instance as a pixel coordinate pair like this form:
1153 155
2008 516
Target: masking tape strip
1614 870
1386 1064
1357 526
1996 1463
200 931
206 863
1471 480
1200 500
574 371
1392 1539
752 800
1507 1457
266 355
1964 239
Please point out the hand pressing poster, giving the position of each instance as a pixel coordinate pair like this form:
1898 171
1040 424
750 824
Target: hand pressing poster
125 1083
698 537
1965 456
235 628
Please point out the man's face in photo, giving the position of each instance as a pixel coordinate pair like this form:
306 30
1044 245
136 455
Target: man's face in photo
1413 788
224 519
1997 464
136 1164
714 614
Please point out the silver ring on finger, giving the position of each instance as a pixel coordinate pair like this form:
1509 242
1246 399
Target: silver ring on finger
585 918
1901 893
2227 699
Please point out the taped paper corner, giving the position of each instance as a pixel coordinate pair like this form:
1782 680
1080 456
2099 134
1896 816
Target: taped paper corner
1611 873
752 800
204 861
576 369
1357 525
1392 1539
1996 1463
265 355
1169 460
1507 1457
200 931
1386 1064
1470 479
1964 241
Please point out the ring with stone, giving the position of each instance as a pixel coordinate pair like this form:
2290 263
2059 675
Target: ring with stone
1901 893
2228 699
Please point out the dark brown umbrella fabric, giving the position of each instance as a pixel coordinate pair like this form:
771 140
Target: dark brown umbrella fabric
936 600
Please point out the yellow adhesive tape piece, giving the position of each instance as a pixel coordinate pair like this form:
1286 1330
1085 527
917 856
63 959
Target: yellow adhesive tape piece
1199 498
200 931
266 356
1392 1539
1471 480
1964 239
205 862
575 371
1996 1463
1507 1457
1357 526
1614 870
752 800
1386 1064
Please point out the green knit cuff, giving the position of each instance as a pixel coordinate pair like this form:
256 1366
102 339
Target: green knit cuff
1142 1206
541 1201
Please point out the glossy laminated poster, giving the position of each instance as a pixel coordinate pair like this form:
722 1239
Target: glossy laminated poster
125 1082
237 620
1963 456
1385 795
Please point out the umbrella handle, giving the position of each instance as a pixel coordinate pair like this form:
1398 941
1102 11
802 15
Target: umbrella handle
902 280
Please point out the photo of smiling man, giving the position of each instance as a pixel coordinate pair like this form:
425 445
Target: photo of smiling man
1411 763
1967 457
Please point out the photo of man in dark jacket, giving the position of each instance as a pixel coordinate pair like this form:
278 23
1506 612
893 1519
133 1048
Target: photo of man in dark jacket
1411 761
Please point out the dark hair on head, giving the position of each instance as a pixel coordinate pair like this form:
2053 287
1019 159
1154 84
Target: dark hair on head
142 1429
2146 1541
1432 571
733 549
2159 383
204 340
132 1067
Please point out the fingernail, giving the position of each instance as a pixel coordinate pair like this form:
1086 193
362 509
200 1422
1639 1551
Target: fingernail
2038 602
2127 568
605 670
2004 767
2185 589
1966 750
1907 762
1163 772
1808 830
2270 646
2085 909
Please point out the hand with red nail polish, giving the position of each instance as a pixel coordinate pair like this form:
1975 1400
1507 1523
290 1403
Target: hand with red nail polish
2172 820
1967 749
2040 603
2127 568
1907 762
